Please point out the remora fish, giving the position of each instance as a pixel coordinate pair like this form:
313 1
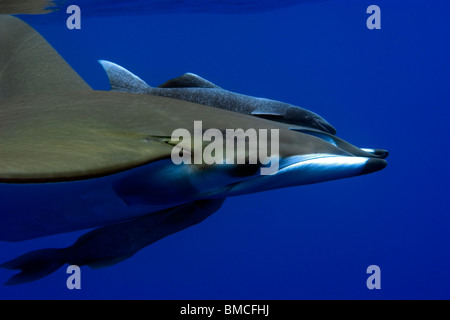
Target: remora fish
73 158
193 88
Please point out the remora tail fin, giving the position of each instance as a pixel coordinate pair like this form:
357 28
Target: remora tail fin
29 64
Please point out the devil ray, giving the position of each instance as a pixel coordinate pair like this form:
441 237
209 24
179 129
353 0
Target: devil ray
73 158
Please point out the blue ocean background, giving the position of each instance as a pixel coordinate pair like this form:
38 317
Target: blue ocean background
385 88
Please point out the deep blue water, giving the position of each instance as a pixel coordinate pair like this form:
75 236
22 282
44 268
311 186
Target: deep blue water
385 88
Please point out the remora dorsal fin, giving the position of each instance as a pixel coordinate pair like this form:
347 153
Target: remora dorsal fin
28 64
189 80
123 80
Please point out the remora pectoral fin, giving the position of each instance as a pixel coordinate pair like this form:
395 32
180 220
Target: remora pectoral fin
123 80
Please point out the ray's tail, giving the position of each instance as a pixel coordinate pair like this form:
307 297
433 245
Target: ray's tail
35 265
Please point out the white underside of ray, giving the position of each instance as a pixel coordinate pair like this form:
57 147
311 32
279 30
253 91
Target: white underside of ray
67 206
303 170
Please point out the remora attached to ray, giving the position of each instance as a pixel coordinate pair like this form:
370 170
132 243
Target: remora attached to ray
73 158
193 88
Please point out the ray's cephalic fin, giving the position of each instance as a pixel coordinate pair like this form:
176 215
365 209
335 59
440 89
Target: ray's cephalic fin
111 244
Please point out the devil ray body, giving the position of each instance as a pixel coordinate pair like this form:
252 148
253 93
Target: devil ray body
73 158
56 130
73 136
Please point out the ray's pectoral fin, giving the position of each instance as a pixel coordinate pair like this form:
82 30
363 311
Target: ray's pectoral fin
111 244
35 265
29 64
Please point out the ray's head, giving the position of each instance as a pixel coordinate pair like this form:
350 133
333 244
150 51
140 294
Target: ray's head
292 158
311 157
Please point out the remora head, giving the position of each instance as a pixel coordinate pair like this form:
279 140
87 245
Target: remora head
287 113
300 116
